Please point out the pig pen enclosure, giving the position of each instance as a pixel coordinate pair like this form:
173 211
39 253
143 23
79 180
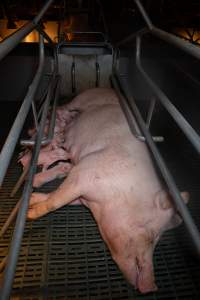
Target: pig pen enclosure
62 255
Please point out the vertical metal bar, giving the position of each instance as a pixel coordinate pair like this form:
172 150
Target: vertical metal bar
187 129
35 115
150 112
14 133
11 41
97 72
73 76
180 205
21 218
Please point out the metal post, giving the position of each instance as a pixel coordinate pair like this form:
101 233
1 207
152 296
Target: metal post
180 205
11 41
21 218
14 133
176 115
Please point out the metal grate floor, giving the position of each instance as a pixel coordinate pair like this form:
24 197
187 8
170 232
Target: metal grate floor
63 256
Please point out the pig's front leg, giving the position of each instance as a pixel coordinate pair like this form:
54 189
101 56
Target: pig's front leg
68 191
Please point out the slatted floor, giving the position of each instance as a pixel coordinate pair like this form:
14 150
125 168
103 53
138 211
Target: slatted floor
63 257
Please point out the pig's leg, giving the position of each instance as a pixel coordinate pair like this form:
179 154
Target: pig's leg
69 190
59 171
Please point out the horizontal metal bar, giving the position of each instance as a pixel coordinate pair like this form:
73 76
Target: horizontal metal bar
179 203
21 218
176 115
15 131
132 36
176 41
168 37
14 39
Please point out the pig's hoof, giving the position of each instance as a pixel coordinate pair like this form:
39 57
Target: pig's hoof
37 198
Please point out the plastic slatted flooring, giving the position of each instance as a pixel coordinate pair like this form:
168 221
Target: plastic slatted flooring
63 257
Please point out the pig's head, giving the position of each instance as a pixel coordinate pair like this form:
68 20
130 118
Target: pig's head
132 245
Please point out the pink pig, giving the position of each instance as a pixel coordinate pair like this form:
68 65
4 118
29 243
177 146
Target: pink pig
114 176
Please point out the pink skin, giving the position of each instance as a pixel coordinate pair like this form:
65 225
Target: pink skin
59 171
46 157
114 177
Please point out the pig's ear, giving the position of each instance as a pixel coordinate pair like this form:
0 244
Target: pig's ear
176 219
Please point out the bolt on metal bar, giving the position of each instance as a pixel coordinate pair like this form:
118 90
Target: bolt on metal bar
168 37
14 39
14 133
179 203
21 218
187 129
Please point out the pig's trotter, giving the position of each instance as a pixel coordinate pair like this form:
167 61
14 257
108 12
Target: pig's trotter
68 191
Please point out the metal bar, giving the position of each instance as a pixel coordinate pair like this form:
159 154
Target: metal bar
132 36
42 11
168 37
21 218
44 34
150 112
144 14
97 72
3 263
190 133
49 138
19 182
14 133
14 39
179 203
131 120
34 115
10 219
103 19
73 77
176 41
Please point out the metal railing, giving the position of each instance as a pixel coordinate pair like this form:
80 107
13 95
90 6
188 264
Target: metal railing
132 112
5 47
10 261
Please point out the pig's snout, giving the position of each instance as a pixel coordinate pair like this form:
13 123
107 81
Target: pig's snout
135 259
